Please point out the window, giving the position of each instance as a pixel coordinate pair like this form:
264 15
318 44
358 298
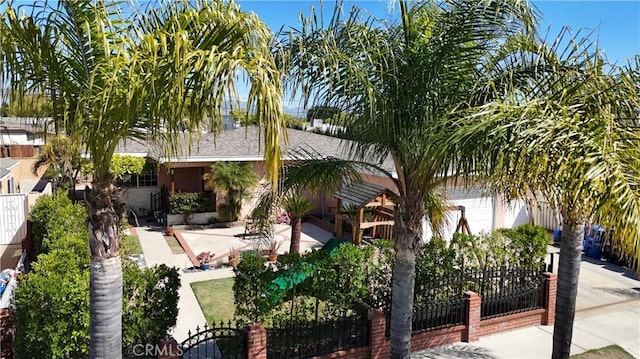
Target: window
148 178
11 185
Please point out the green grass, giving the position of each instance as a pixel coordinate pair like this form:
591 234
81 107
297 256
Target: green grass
215 298
174 245
609 352
131 245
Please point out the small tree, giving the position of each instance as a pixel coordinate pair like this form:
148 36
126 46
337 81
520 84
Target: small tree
234 179
297 206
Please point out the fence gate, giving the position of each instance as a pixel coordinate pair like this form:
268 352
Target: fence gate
217 342
13 218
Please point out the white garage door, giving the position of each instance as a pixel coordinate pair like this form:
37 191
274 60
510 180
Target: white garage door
478 210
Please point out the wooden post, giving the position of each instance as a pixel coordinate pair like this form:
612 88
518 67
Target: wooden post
338 224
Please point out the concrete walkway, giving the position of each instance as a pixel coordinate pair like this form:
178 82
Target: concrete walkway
157 251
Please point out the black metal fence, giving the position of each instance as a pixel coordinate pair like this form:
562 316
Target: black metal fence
320 338
505 291
439 299
221 341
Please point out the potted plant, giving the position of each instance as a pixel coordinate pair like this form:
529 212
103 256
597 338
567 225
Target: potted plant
272 250
204 258
234 257
169 231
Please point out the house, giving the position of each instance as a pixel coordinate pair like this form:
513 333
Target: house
163 175
19 186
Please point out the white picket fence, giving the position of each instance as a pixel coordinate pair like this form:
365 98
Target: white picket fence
14 211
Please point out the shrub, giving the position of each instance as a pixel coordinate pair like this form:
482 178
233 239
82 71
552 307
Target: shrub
52 308
52 217
150 307
251 279
188 203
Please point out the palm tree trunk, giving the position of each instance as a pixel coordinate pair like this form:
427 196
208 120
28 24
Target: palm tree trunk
105 294
568 273
296 230
105 291
407 235
404 276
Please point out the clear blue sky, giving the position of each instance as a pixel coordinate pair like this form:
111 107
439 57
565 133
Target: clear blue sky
617 23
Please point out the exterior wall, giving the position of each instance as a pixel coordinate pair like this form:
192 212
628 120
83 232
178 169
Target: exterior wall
10 255
187 177
515 213
139 199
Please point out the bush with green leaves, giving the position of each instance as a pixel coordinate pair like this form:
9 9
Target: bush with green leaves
52 301
188 203
251 279
150 305
52 307
52 217
337 282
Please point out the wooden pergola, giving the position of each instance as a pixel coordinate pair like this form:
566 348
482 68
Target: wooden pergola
370 206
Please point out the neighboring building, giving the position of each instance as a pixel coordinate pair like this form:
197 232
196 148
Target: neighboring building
144 194
7 178
19 186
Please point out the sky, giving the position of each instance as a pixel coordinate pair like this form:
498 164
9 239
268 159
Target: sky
617 23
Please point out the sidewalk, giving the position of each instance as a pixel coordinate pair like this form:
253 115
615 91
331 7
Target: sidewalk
157 251
616 324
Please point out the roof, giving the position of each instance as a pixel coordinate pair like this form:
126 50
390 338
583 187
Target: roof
359 193
7 163
4 173
244 144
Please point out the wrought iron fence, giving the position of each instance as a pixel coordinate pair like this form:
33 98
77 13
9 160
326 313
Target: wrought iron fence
317 338
506 291
439 299
220 341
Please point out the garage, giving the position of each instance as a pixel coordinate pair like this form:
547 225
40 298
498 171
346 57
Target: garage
479 211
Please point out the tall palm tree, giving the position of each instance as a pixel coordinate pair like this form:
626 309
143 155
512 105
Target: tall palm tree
298 206
568 133
114 73
400 85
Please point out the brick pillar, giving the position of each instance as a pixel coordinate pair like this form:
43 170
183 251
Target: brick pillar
256 342
168 349
472 324
550 288
377 339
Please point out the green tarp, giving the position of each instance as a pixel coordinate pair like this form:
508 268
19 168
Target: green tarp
296 274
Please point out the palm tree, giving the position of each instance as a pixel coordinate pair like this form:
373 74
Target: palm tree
568 133
62 158
400 86
115 73
235 180
297 206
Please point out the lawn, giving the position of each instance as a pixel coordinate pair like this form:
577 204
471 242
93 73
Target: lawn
131 245
174 245
610 352
215 298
